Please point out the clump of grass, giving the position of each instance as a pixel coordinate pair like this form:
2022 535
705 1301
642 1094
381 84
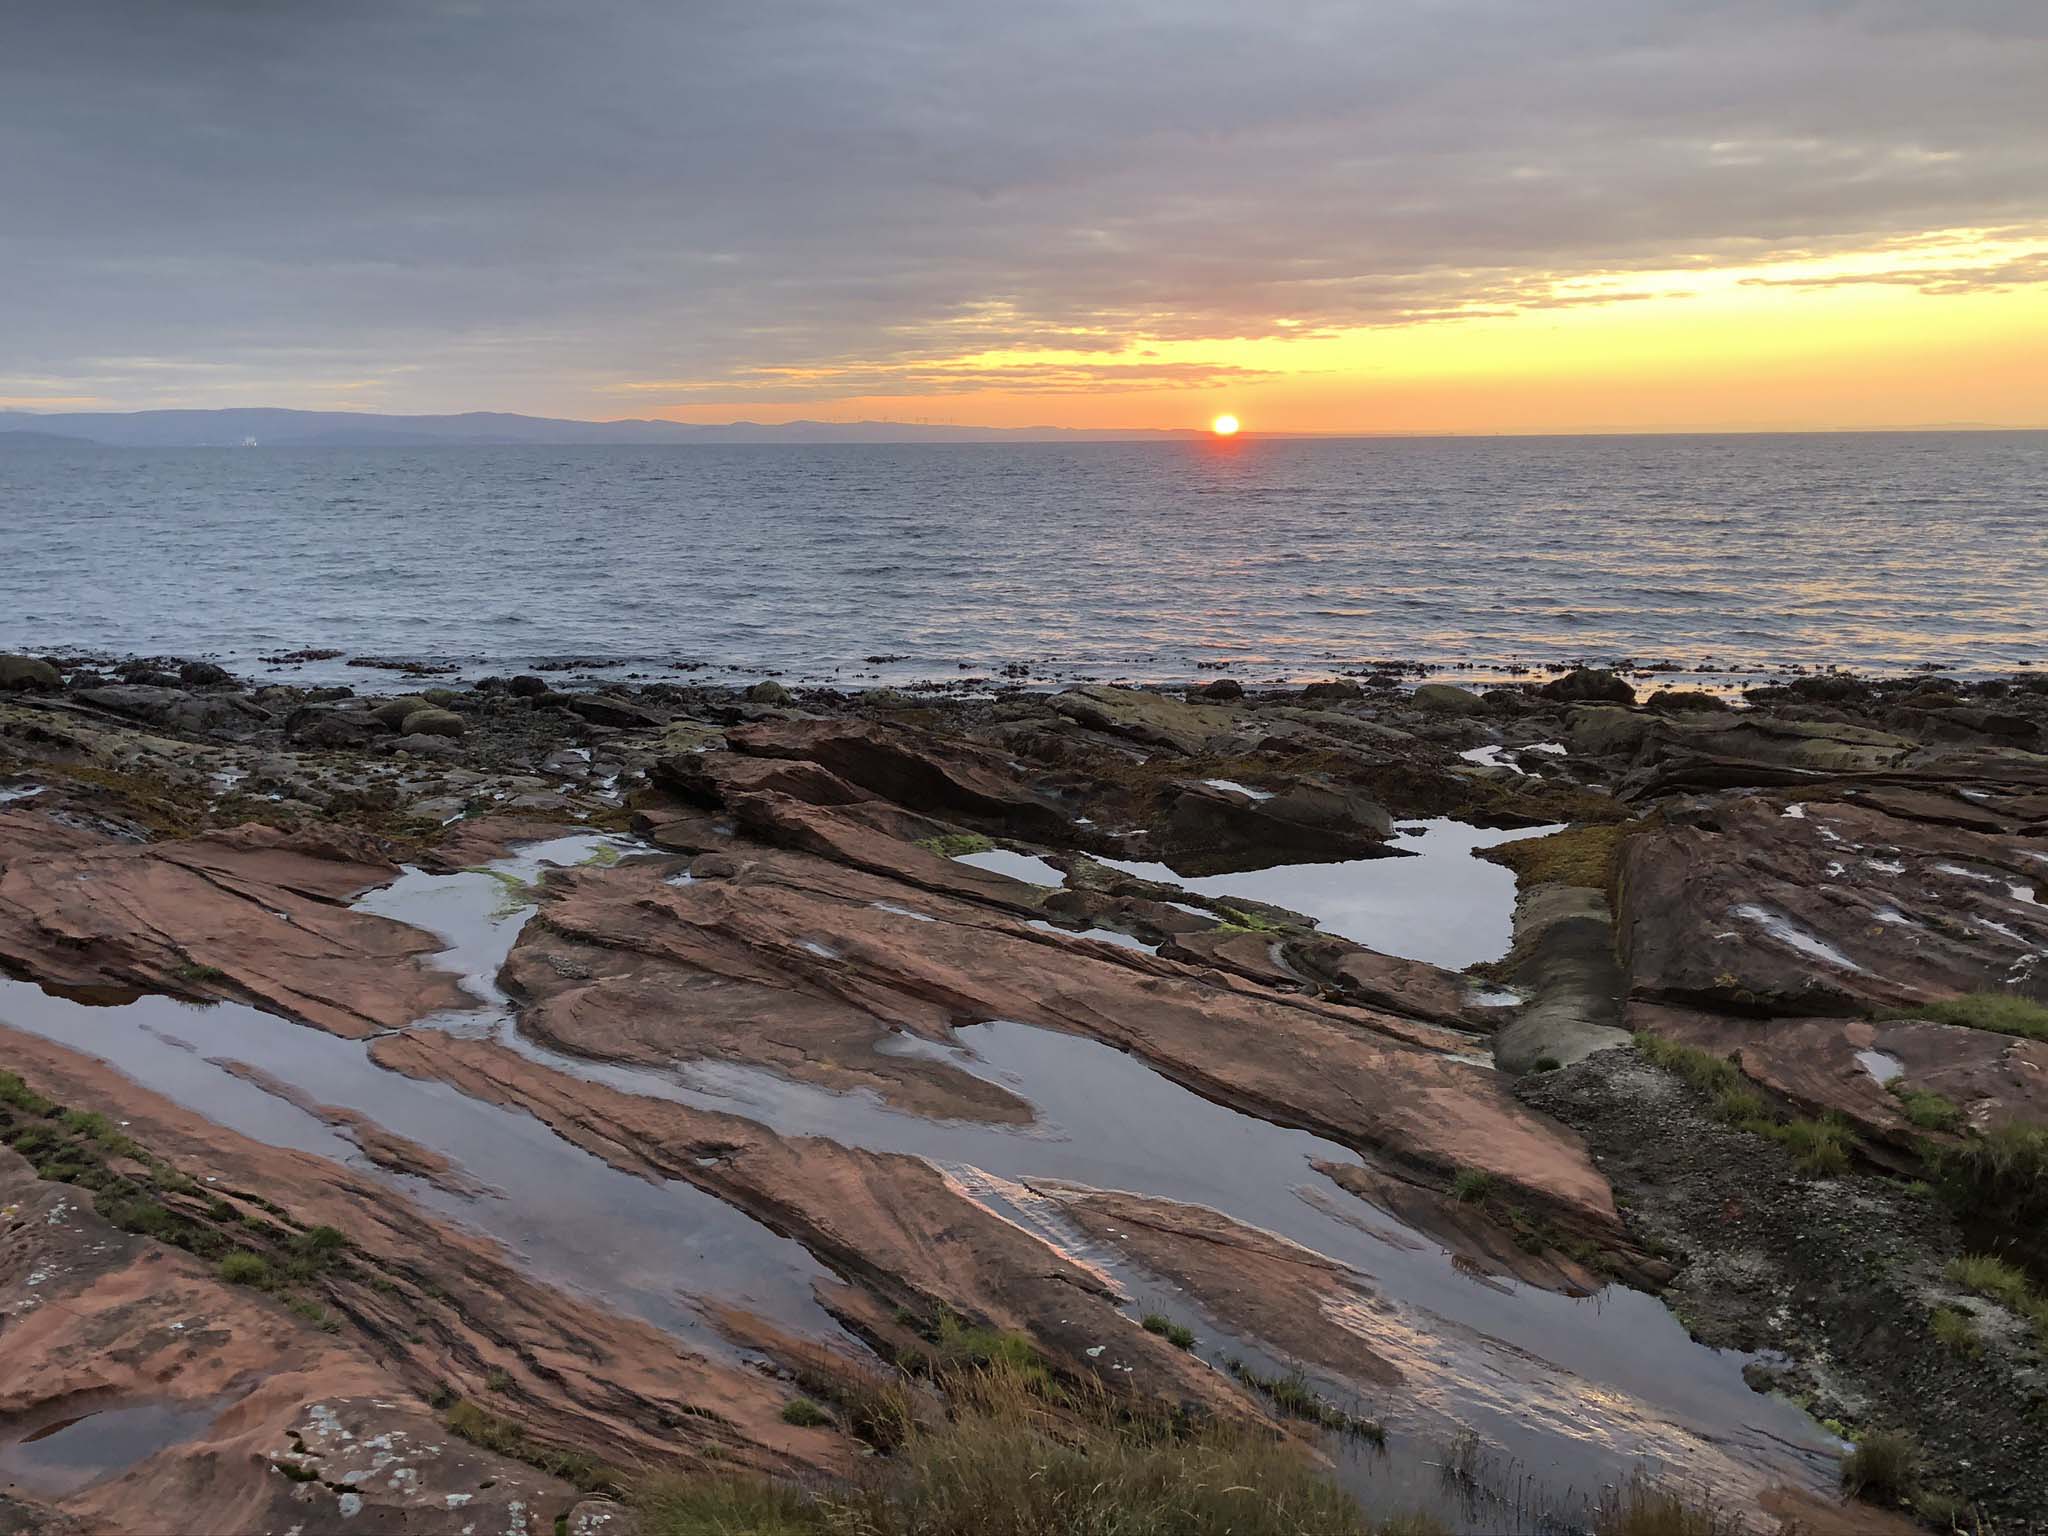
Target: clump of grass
1471 1184
1925 1108
2002 1171
1293 1396
958 1344
16 1094
245 1268
481 1427
1742 1106
879 1408
1238 920
804 1414
1581 855
1884 1465
1955 1330
1818 1146
951 845
193 971
498 1379
2005 1013
726 1506
1547 1064
1644 1508
1990 1276
1703 1069
1179 1335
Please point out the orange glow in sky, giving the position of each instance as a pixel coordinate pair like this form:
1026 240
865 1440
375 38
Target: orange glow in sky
1947 329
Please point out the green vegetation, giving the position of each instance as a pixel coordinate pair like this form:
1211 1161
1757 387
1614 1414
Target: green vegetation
498 1379
804 1413
1177 1334
1006 1465
2004 1013
1824 1146
245 1268
192 970
1883 1467
1703 1069
1989 1276
1925 1108
16 1094
1643 1508
481 1427
1582 855
1238 920
2000 1172
1471 1184
2005 1284
1818 1146
1547 1064
1293 1396
952 844
1955 1330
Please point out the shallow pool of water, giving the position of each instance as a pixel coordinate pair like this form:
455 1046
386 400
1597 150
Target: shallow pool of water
1441 905
62 1457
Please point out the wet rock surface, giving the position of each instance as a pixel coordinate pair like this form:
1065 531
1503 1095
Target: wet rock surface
865 982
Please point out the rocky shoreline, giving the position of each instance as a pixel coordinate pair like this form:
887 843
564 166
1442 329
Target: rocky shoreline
825 970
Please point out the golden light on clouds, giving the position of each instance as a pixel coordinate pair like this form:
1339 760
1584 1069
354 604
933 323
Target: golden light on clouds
1949 328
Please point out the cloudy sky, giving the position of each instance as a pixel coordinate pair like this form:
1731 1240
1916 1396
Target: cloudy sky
1383 214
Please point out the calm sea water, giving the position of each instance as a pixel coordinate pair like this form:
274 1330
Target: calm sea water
1283 559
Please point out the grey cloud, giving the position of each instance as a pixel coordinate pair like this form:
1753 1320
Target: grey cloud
525 204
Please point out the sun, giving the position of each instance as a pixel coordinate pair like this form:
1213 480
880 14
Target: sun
1224 426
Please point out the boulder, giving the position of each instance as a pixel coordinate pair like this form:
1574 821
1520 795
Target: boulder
1339 688
1224 690
1589 685
393 712
713 866
1447 699
611 709
421 744
23 674
768 693
334 728
1151 719
433 721
203 674
937 777
527 686
1602 730
167 708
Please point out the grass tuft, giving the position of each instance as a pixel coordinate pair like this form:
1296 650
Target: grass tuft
1179 1335
1990 1276
245 1268
1644 1508
1293 1396
1471 1184
2004 1013
1884 1466
1818 1146
804 1414
952 844
2001 1172
1956 1331
1925 1108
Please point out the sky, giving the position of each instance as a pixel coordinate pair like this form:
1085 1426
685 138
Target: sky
1376 215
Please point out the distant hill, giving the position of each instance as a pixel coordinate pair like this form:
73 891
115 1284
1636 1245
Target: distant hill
276 428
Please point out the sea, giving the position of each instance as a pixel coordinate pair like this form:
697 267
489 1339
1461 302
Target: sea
1716 559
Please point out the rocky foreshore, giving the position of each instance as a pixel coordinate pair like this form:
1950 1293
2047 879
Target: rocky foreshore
442 1111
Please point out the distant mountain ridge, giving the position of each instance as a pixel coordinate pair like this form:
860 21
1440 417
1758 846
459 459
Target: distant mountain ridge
279 428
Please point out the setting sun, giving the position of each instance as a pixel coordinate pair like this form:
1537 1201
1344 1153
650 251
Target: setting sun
1224 426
